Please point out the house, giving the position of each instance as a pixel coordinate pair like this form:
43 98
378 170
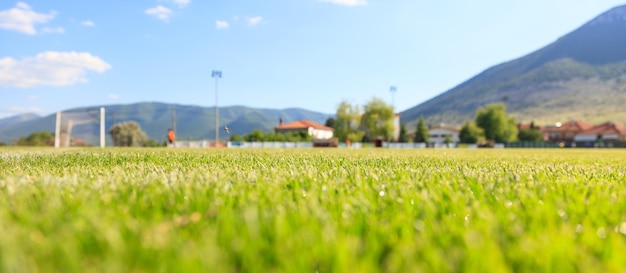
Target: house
315 130
439 134
564 132
608 131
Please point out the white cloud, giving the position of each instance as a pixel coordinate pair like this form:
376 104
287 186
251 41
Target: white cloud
182 3
350 3
253 21
49 68
23 19
53 30
160 12
22 5
88 23
114 96
221 24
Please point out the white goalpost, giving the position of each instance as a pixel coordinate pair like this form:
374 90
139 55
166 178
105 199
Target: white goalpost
102 128
78 128
57 131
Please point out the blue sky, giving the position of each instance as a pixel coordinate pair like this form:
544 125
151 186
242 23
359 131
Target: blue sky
311 54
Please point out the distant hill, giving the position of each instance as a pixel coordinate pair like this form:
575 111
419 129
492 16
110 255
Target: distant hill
192 122
17 119
580 76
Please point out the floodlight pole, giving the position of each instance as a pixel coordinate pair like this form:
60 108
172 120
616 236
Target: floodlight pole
393 91
217 74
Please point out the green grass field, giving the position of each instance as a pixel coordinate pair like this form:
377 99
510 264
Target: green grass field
315 210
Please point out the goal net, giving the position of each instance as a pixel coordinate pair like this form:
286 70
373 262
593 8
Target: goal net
80 128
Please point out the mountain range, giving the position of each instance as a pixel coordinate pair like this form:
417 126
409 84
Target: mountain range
192 122
582 76
5 122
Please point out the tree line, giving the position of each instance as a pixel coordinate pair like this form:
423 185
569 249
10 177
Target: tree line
260 136
491 123
375 121
372 121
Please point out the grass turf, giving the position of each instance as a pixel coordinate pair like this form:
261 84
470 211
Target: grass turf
312 210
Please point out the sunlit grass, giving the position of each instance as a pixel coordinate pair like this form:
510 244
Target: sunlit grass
325 210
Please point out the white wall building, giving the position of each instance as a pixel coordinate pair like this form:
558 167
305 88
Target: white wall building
437 135
606 131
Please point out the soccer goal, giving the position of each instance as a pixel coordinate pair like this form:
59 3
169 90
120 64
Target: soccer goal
80 128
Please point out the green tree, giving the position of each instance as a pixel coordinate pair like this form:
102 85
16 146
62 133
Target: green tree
447 139
496 124
256 136
511 130
259 136
347 122
304 136
404 135
356 136
128 134
330 122
299 136
269 137
236 138
378 119
275 137
470 133
421 134
532 135
41 138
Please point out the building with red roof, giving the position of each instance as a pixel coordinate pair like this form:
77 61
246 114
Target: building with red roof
608 131
565 132
315 130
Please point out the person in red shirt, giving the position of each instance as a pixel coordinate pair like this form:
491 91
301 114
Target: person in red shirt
171 136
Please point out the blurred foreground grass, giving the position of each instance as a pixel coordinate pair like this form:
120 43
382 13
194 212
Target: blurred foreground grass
326 210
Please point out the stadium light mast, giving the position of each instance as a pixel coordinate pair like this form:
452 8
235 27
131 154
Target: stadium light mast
393 91
217 74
